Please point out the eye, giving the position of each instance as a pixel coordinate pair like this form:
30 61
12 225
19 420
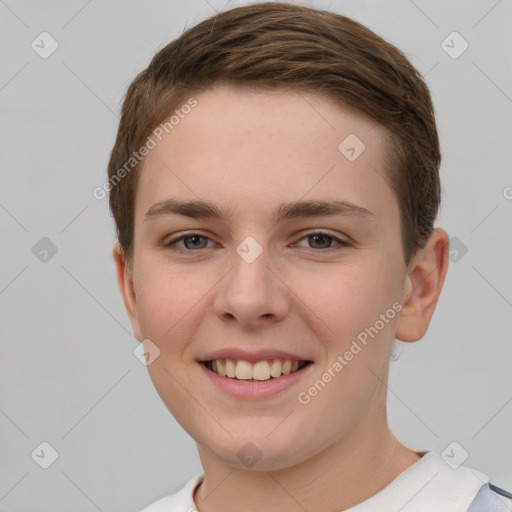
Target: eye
323 240
190 241
195 241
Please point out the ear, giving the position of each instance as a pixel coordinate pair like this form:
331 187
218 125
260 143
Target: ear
125 282
422 287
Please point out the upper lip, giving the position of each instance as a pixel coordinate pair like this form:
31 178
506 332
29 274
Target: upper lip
252 356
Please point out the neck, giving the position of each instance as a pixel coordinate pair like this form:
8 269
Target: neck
344 474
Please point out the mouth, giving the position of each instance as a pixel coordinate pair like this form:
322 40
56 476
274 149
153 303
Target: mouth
267 369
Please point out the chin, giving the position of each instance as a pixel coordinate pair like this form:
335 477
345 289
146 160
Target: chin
259 453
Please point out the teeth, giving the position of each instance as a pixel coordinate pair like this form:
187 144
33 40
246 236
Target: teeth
287 367
275 369
261 370
230 368
221 368
243 370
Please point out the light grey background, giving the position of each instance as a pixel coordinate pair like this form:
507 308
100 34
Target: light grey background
68 375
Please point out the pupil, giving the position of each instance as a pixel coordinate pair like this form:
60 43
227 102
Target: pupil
322 238
196 240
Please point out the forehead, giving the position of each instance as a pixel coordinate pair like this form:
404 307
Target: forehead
251 149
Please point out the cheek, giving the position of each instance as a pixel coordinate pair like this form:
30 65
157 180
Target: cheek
357 347
169 301
348 297
170 305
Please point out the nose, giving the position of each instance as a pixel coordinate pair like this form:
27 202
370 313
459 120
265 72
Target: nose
252 294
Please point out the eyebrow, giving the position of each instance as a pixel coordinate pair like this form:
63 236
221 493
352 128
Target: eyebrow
291 210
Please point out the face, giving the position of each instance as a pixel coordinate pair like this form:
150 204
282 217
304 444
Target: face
292 251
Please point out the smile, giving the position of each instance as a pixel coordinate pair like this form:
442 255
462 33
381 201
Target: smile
258 370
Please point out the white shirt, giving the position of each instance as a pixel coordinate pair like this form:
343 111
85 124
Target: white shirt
429 485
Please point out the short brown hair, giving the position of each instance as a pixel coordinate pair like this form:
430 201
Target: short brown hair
272 44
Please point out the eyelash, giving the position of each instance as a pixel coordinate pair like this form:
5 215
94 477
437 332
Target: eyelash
171 243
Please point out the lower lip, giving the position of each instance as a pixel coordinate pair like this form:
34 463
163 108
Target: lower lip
254 389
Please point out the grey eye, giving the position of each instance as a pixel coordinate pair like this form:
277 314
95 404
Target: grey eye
323 241
195 241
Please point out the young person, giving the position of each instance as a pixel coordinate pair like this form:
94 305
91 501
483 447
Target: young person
274 185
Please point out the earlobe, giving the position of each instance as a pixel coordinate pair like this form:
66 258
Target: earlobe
127 289
423 286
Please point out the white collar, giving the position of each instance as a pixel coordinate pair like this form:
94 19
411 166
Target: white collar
429 484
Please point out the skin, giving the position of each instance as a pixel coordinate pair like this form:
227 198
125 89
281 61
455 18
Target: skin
248 151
